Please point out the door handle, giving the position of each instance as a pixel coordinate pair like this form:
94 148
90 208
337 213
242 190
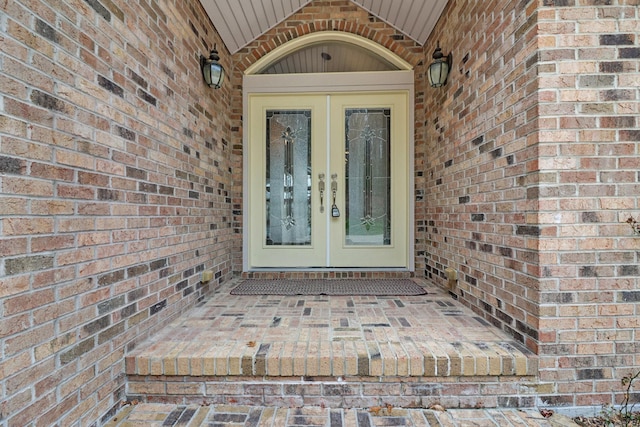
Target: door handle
321 189
335 212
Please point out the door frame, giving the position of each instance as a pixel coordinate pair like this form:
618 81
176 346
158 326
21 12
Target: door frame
325 83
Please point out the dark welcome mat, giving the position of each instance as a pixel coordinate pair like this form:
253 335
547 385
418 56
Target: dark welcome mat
374 287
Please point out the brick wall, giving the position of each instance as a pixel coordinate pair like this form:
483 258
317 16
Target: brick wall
527 168
121 180
476 163
589 103
115 194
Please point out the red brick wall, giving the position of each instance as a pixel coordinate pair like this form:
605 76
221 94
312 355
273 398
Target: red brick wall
115 194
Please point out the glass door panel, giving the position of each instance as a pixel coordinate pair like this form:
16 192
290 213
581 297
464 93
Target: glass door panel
288 177
367 177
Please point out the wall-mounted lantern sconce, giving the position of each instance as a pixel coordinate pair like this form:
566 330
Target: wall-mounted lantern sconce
212 71
439 68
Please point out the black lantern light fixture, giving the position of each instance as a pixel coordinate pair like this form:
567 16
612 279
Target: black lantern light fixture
212 70
439 68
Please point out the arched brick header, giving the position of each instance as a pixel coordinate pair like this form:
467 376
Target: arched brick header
326 36
387 37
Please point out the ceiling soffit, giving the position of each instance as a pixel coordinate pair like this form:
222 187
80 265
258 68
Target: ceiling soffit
239 22
329 58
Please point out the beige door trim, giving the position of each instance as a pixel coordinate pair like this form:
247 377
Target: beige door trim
329 82
336 83
330 246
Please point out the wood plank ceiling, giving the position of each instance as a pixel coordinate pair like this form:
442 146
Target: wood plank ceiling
241 21
329 58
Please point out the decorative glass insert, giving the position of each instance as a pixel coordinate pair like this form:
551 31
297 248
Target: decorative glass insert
368 176
288 177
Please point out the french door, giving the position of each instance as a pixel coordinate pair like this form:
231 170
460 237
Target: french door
328 180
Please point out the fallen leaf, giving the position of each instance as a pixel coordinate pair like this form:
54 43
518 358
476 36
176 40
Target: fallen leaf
546 413
375 410
437 407
251 344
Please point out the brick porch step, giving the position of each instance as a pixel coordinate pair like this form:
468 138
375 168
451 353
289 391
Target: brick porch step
333 351
334 359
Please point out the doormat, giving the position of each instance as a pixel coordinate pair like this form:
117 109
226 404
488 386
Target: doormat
310 287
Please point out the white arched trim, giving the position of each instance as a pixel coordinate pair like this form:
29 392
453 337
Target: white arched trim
322 37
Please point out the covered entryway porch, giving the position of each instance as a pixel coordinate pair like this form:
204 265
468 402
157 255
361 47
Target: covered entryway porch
328 351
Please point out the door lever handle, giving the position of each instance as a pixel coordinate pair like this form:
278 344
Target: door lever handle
321 189
335 212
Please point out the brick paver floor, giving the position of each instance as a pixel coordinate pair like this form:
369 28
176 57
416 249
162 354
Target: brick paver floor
333 352
425 335
164 415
